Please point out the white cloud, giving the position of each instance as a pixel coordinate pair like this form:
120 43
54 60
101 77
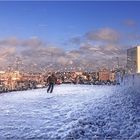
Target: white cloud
104 34
129 22
35 51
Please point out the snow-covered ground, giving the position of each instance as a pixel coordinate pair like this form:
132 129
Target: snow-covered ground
71 112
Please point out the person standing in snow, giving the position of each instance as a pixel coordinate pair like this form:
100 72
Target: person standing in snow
51 80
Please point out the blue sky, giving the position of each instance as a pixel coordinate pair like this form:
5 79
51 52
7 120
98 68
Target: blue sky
58 21
78 27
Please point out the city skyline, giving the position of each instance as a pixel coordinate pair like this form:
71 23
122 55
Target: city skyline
67 34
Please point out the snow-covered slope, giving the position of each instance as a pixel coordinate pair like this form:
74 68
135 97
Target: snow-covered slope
82 112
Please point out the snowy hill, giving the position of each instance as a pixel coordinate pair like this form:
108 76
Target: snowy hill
82 112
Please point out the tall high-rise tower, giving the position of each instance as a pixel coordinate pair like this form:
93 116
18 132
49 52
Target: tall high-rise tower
133 60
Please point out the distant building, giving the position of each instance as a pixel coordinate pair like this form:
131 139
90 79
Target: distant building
78 73
104 75
112 76
2 76
133 60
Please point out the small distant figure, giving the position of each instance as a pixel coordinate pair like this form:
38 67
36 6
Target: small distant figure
51 80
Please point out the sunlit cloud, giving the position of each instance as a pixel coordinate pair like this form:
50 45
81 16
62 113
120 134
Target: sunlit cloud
7 52
12 41
104 34
37 53
133 36
129 23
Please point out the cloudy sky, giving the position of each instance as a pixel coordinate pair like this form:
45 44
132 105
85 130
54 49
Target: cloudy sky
70 34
